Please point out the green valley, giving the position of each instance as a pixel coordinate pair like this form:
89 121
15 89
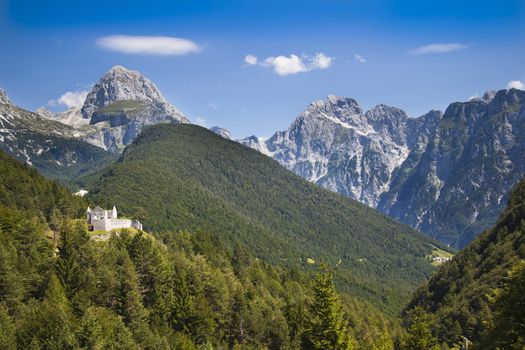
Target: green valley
184 177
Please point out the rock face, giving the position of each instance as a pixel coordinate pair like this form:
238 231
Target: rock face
47 144
3 97
46 113
461 181
121 84
221 132
447 175
119 106
334 144
66 144
116 110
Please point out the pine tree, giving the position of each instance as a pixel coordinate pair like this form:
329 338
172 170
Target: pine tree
72 239
102 329
328 328
508 328
419 335
7 330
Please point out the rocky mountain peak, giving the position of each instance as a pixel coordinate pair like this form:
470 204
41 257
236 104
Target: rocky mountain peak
4 99
335 108
120 84
45 113
488 96
382 112
221 132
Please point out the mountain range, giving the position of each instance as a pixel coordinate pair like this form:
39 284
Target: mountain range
214 185
446 174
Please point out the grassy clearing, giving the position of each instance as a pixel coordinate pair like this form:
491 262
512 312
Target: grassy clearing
439 256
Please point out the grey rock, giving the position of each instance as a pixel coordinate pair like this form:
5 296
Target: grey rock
446 174
221 132
4 99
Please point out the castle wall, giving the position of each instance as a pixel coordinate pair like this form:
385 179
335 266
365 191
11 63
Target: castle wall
120 223
106 220
101 225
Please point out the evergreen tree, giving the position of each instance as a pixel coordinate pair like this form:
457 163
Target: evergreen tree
68 266
383 342
508 328
328 328
7 330
419 336
102 329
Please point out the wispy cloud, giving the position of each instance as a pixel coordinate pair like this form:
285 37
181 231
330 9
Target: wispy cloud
293 64
201 121
149 45
516 84
250 59
360 59
213 106
70 99
438 48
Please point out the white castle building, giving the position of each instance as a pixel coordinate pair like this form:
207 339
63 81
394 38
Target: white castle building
99 219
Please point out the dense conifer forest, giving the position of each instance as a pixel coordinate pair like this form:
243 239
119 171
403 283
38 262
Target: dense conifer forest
184 177
61 289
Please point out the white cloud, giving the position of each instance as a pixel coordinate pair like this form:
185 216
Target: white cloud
474 97
70 99
293 64
201 121
250 59
437 48
213 106
283 65
516 84
359 58
321 61
150 45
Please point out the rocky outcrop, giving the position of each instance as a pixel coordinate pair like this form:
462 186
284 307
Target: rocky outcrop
460 182
121 84
3 97
334 144
447 175
221 132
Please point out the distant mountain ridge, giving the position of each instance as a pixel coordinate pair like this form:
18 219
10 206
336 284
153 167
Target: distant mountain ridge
52 147
447 174
210 184
430 172
82 139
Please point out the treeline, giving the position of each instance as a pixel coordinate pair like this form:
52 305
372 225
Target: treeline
134 292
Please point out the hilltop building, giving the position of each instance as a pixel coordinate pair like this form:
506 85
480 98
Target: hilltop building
100 219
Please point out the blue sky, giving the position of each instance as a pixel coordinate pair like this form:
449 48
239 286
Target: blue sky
416 55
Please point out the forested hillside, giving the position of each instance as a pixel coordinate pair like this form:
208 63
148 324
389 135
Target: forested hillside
134 291
479 294
184 177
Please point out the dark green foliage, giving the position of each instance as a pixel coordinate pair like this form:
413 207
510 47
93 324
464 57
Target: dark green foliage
419 335
102 329
328 328
458 298
133 291
507 331
7 330
21 187
183 177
